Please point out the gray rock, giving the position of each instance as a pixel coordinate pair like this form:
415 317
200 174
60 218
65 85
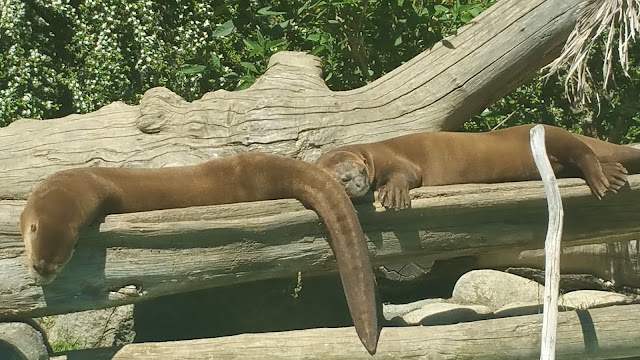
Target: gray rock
525 308
587 299
25 342
444 313
392 311
93 328
495 289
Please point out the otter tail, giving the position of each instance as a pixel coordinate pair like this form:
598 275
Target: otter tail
317 190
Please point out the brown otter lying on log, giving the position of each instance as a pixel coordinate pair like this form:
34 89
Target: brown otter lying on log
392 167
65 202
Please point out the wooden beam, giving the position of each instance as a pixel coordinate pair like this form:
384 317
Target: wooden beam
603 333
137 256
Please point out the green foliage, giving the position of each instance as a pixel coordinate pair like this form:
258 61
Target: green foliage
65 56
65 344
62 57
616 118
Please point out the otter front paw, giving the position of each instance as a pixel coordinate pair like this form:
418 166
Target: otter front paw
393 197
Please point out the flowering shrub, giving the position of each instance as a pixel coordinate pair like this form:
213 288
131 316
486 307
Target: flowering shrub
59 57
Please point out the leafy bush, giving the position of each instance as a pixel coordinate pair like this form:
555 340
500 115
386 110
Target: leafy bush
62 57
65 57
616 118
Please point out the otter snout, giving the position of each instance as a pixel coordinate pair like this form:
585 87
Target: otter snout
43 272
355 186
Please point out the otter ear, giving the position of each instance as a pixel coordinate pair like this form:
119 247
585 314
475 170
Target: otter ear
364 160
33 227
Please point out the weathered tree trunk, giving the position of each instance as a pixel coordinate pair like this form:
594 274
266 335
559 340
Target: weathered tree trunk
584 334
290 110
178 250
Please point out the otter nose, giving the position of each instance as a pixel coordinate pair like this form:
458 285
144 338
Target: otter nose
345 178
39 269
42 269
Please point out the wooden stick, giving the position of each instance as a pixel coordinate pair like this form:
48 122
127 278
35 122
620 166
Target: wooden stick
551 246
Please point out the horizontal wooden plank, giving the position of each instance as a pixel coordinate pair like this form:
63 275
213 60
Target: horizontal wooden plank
132 257
604 333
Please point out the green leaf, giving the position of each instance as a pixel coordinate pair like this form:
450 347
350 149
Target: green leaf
398 41
440 9
266 11
189 69
313 37
261 39
224 29
318 49
214 62
400 2
253 47
249 66
474 11
275 43
245 82
284 24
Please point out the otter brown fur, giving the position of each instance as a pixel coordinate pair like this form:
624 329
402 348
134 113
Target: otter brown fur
65 202
393 166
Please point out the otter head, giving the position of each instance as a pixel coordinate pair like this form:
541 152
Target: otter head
350 169
49 247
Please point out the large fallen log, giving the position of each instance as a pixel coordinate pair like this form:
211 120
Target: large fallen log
604 333
137 256
290 110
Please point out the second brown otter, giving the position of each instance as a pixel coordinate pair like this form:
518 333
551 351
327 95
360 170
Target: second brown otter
392 167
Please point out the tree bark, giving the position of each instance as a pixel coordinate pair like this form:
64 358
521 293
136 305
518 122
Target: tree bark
594 334
133 257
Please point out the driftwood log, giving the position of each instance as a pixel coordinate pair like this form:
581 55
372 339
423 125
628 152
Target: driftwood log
584 334
142 255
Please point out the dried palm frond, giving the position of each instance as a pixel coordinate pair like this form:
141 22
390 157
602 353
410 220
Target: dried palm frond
598 17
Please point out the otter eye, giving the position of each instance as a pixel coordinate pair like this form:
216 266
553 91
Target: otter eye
33 228
344 178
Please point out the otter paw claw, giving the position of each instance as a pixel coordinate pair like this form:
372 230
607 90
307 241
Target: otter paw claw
394 198
616 174
612 177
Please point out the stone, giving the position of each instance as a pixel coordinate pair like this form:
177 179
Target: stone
20 341
445 313
392 311
93 328
525 308
587 299
495 289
